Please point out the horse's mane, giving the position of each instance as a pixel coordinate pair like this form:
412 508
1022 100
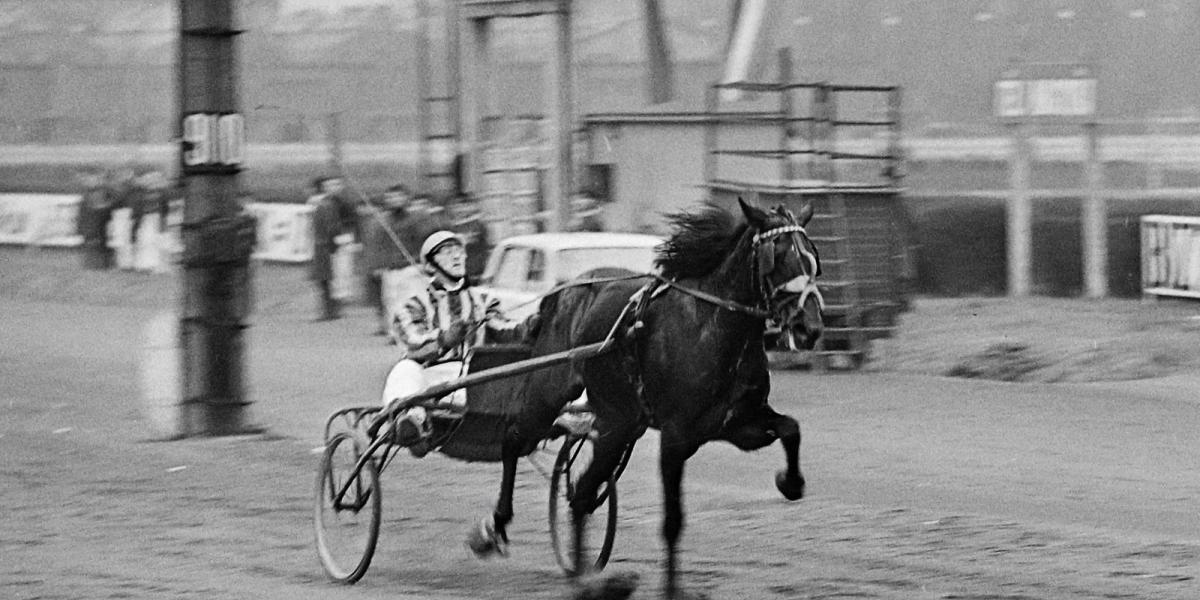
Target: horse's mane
700 241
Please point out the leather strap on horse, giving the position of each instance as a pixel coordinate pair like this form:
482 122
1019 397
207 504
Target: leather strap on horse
579 283
729 305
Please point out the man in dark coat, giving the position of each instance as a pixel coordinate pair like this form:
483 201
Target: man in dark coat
95 211
474 233
382 228
424 218
327 225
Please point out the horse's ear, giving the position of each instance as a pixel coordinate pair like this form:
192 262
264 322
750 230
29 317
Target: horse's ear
805 215
754 216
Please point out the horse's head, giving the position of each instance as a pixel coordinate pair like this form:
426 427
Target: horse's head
786 266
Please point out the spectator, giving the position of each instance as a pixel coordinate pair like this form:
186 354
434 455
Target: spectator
95 211
154 196
326 229
382 229
426 219
149 215
585 214
123 197
474 233
316 191
335 187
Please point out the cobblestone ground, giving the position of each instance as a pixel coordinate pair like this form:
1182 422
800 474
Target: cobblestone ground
920 486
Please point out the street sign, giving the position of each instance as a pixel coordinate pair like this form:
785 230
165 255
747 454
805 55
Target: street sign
1046 92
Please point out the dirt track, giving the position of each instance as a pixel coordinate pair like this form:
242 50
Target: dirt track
920 487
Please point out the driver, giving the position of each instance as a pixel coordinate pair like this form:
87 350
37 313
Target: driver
437 326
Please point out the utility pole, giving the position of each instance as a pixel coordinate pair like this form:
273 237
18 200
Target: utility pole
217 235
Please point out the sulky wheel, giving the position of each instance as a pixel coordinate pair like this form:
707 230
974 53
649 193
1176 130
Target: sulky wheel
348 507
573 459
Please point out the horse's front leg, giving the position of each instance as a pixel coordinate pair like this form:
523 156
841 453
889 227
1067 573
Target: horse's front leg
674 451
607 451
789 481
761 430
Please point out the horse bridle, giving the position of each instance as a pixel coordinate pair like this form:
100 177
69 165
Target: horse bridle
768 292
809 286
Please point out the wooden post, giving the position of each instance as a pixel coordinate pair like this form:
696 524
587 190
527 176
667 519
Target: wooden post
453 27
562 114
1095 219
787 133
424 83
711 133
1019 214
333 139
217 235
1154 158
475 88
894 170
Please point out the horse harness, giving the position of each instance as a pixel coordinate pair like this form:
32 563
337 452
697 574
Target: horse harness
764 262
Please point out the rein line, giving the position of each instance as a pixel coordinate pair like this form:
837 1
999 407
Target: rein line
729 305
718 301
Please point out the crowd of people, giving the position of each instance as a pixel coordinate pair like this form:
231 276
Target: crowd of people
373 236
122 216
357 241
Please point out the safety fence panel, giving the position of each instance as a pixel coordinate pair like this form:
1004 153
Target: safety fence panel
285 231
39 219
1170 256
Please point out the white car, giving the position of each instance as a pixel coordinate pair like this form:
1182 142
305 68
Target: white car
523 267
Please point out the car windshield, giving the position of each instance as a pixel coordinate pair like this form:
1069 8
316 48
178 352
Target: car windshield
573 262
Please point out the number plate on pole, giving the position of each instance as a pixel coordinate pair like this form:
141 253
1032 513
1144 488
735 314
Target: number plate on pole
213 142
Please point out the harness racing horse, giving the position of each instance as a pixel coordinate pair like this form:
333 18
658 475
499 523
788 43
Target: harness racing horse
690 359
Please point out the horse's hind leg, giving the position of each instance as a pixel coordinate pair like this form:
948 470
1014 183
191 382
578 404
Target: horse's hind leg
491 537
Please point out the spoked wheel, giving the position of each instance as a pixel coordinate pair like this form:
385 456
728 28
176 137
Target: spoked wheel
573 459
348 509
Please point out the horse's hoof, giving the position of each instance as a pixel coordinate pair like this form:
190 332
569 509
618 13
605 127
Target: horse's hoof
791 488
617 586
484 542
688 595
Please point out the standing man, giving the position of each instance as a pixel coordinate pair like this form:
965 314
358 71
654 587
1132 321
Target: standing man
585 214
381 253
335 187
95 212
425 219
346 251
474 233
327 227
150 216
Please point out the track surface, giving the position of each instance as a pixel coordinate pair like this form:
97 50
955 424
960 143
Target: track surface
919 487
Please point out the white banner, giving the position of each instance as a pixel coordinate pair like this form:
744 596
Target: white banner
284 232
1171 256
39 219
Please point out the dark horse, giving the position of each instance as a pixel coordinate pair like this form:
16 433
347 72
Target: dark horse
690 359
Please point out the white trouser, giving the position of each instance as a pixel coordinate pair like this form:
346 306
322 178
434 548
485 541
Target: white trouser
409 377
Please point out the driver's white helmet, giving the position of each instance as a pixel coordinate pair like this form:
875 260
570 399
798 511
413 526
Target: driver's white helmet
435 241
